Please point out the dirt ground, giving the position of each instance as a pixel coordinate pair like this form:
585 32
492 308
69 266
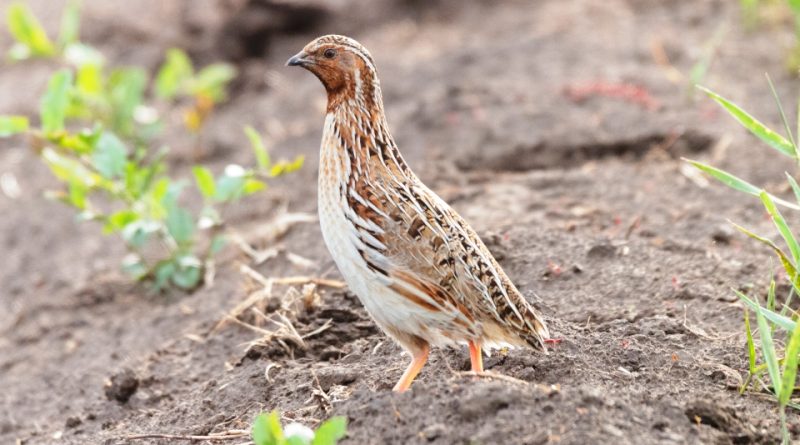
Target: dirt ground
504 109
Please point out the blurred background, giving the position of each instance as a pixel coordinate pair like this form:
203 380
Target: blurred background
556 128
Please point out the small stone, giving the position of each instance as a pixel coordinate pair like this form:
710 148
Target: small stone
722 234
338 375
601 250
434 431
121 386
72 421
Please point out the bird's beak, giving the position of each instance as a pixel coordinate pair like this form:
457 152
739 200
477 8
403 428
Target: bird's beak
299 59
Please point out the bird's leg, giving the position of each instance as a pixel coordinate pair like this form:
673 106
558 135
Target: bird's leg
420 357
475 356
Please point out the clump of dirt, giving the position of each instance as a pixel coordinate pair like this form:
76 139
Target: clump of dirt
121 386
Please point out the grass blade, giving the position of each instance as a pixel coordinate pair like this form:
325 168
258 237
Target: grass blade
760 130
768 350
788 266
795 187
784 323
783 228
783 117
737 183
751 345
790 367
771 295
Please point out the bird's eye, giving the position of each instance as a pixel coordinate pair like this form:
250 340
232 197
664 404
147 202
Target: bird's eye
329 53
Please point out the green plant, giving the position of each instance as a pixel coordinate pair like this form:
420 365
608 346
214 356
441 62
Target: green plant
782 372
30 38
267 430
116 95
177 79
96 133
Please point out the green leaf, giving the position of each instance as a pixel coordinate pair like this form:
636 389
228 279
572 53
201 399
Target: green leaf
790 367
188 273
783 228
126 88
212 81
751 346
55 101
67 169
331 431
110 156
760 130
262 155
70 24
230 188
795 153
205 181
27 30
118 220
736 183
784 323
11 125
795 187
267 429
284 167
89 80
136 233
174 73
180 224
771 295
217 243
135 267
252 186
788 266
164 272
77 194
768 350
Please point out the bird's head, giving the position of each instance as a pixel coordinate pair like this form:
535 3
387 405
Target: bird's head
344 67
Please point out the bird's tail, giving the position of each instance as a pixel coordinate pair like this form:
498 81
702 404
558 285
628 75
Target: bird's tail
537 331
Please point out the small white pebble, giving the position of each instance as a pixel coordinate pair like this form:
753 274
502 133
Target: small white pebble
234 171
299 431
10 185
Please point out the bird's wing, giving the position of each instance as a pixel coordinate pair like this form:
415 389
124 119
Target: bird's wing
430 245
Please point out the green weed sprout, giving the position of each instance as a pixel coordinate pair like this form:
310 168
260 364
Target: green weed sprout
96 132
782 372
115 96
267 430
177 79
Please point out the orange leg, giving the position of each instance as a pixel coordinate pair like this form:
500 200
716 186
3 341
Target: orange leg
413 369
475 356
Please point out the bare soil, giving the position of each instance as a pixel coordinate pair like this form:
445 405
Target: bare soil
550 125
